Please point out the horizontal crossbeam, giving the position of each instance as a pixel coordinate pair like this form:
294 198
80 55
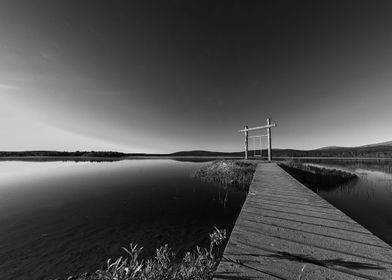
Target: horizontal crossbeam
258 127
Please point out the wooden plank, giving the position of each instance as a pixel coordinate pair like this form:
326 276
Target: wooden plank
317 241
297 206
290 212
305 219
335 261
358 237
285 231
282 266
291 202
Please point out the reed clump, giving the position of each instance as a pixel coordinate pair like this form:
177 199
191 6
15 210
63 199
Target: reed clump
237 173
317 178
199 264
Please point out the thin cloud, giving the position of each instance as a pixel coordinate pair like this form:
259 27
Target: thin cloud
8 86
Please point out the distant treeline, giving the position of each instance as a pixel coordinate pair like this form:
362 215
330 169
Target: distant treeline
200 153
61 154
110 154
360 152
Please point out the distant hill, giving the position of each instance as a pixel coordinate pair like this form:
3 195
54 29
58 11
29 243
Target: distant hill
42 153
380 150
382 144
331 148
388 143
201 153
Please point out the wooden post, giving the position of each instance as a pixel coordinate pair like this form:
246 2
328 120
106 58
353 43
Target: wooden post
246 142
269 139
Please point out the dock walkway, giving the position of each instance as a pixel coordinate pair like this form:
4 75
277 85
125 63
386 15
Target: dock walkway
286 231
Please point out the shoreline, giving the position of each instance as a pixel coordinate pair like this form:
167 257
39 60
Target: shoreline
96 158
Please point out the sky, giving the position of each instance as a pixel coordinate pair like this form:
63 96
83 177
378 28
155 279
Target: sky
165 76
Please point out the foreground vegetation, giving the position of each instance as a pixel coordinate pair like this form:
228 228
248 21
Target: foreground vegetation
197 265
236 173
317 178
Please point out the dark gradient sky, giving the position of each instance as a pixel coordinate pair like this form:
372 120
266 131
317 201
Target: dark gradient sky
162 76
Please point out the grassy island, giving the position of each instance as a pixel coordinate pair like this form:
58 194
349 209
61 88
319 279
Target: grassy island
237 173
317 178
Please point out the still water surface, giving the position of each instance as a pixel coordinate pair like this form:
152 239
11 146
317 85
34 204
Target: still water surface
367 200
58 218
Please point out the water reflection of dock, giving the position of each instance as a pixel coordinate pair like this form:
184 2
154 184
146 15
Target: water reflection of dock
285 231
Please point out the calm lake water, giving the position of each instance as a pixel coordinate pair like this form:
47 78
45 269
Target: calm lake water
58 218
367 200
61 218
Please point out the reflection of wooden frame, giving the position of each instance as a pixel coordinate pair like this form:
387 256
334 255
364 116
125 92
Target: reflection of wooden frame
268 135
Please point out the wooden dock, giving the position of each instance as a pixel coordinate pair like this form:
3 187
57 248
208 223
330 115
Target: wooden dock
285 231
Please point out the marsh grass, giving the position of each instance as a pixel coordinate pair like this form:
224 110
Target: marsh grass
199 264
317 178
237 173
